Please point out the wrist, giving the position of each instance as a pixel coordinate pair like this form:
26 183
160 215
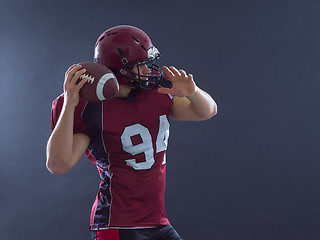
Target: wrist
68 106
196 92
70 102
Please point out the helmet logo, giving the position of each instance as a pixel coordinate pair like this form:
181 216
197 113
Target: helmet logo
153 53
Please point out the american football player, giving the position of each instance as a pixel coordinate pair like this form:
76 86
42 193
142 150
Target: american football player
126 137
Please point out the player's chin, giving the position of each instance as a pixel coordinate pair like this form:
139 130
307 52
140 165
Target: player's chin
144 78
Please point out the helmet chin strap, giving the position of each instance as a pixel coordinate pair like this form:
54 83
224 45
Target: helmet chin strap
123 58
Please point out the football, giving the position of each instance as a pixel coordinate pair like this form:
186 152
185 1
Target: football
102 84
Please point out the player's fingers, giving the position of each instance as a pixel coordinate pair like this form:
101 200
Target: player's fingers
81 83
168 72
174 71
183 73
68 70
72 68
77 75
72 71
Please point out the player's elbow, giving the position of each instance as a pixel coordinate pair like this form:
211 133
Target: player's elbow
55 168
209 113
213 111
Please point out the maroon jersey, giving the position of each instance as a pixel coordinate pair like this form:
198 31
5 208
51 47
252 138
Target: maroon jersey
128 142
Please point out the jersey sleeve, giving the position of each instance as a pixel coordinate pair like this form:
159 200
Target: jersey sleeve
79 125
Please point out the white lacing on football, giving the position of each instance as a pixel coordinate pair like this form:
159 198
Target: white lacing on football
90 78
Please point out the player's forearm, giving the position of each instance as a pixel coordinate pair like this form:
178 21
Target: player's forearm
203 104
60 143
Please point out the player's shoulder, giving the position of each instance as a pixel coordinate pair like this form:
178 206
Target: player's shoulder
59 98
58 102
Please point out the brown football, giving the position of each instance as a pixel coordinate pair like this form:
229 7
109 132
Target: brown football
102 84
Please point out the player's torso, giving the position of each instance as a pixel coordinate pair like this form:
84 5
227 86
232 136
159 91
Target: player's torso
128 143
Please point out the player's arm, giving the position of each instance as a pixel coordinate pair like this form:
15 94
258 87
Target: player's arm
64 149
190 103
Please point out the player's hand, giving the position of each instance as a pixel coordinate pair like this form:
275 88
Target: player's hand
182 84
71 87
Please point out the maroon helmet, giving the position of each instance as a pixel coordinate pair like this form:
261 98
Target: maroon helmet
120 48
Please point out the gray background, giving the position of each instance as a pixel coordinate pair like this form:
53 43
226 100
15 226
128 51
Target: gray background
251 172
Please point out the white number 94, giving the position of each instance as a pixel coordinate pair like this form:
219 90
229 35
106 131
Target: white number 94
146 145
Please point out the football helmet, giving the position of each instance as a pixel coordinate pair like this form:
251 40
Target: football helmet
120 48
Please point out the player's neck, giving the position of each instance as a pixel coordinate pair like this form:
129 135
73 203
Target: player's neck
124 91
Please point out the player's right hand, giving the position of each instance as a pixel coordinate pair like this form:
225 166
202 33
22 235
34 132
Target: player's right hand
71 87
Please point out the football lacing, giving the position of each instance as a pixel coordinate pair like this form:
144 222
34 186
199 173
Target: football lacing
90 79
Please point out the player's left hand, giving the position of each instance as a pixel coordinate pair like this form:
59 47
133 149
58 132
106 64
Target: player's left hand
182 84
